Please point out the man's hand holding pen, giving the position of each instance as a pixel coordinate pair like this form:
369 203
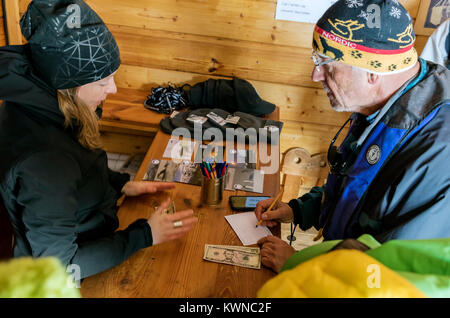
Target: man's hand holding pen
280 212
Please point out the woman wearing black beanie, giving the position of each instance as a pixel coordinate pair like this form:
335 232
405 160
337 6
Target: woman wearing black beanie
54 179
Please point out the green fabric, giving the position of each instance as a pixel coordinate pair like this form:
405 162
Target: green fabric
324 247
416 256
369 240
432 285
36 278
424 263
309 253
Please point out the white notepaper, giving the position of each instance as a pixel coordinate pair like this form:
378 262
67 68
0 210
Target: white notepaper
244 225
308 11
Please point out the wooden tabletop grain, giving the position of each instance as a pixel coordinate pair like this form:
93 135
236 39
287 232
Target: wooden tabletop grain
177 268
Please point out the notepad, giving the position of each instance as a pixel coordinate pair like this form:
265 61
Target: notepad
244 225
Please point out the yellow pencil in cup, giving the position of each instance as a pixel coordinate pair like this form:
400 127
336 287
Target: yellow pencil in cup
278 197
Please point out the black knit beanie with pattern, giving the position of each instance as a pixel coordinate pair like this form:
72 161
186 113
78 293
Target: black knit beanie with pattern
70 45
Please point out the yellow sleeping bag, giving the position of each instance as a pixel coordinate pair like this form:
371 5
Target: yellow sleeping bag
340 274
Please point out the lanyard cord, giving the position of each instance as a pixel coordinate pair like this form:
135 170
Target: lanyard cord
381 114
405 87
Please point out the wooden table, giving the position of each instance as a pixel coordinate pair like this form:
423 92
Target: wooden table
177 268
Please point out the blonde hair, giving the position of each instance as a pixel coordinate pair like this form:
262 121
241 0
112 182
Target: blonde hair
77 113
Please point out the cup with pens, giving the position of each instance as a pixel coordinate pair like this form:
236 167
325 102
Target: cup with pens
213 180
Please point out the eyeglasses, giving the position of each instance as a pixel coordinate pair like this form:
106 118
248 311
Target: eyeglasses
334 155
319 61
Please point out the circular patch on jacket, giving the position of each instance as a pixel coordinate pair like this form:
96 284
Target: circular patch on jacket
373 154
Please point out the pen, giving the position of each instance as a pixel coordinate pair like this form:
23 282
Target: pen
214 170
205 172
208 166
272 205
223 169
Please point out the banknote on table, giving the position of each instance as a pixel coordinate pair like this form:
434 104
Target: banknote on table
254 250
248 257
170 209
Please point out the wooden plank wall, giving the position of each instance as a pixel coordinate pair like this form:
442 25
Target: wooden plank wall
2 30
187 41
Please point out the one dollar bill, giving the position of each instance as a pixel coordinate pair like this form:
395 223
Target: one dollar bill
248 257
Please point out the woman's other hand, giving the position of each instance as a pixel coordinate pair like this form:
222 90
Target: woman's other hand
167 227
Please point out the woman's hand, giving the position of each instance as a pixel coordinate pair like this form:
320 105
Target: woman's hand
167 227
281 212
134 188
275 252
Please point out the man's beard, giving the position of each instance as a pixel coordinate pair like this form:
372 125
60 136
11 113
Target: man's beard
334 103
340 109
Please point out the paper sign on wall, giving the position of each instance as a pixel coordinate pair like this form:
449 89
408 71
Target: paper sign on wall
308 11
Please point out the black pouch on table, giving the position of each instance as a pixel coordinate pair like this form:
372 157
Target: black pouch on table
265 128
230 95
187 119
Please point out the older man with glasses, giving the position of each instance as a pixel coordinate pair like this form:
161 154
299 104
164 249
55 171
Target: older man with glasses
390 176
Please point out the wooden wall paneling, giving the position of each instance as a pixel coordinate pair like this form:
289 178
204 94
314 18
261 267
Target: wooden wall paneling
204 54
302 104
12 16
412 6
421 41
2 33
207 55
213 56
2 28
250 20
314 138
23 4
145 78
